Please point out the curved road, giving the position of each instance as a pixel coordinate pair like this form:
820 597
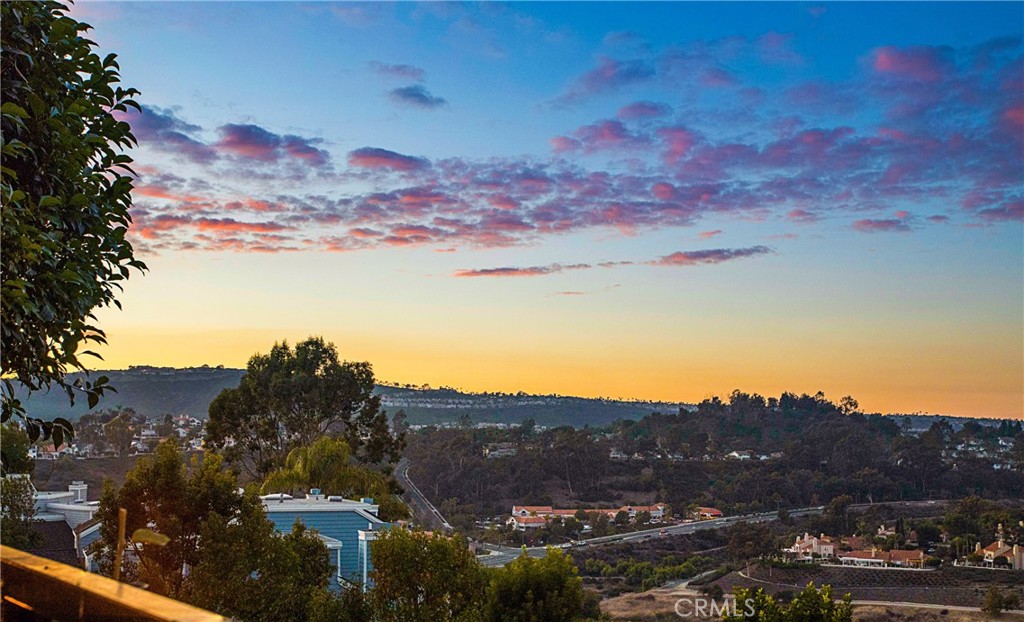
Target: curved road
423 510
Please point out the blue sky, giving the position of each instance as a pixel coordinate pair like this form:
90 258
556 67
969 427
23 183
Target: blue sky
657 200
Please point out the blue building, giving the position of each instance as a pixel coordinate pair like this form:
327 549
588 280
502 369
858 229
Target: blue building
345 526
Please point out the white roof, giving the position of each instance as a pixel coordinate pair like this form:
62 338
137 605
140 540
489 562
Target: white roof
274 504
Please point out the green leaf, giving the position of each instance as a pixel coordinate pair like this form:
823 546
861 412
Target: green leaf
148 536
13 109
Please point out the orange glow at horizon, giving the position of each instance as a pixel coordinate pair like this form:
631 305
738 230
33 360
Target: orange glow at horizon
600 372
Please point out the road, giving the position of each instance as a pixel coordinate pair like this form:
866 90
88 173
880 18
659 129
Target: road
423 510
503 555
426 514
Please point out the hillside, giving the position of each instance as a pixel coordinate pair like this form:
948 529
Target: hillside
153 391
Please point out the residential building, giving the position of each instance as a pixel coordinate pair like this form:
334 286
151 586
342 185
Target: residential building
346 526
500 450
707 513
883 559
808 547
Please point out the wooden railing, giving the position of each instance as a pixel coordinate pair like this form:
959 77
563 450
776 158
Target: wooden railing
35 588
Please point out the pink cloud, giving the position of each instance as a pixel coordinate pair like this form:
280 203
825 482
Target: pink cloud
919 63
707 235
230 224
376 158
711 256
678 141
607 134
643 110
610 74
515 271
802 216
872 225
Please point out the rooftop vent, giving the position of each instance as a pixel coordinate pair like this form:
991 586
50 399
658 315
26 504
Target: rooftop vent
336 498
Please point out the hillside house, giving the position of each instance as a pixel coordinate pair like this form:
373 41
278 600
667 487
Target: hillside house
877 558
808 547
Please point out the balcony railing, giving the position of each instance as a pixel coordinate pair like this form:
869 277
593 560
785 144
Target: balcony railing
35 589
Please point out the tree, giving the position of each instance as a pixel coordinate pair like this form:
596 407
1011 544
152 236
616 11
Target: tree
65 186
424 578
810 605
328 465
14 445
166 427
237 564
996 601
119 433
291 397
17 509
536 590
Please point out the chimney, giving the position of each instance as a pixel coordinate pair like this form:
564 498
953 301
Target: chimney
80 490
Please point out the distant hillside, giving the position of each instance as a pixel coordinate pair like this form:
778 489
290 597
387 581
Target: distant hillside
153 391
433 406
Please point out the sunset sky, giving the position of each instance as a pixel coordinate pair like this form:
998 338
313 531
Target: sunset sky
660 200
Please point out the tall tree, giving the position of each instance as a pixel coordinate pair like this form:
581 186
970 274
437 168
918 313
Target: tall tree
65 187
291 397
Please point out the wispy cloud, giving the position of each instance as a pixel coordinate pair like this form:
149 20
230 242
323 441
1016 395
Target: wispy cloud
417 95
406 72
680 258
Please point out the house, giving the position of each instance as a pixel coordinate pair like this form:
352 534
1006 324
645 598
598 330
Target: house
500 450
657 511
346 526
743 454
883 559
531 510
1001 553
707 513
58 515
522 523
808 547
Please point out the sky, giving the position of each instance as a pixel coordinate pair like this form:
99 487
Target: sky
645 200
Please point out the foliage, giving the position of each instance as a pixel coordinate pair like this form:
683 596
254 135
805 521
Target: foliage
810 605
291 397
328 465
824 454
17 508
65 186
119 433
238 565
424 578
536 590
747 540
997 601
249 572
14 446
